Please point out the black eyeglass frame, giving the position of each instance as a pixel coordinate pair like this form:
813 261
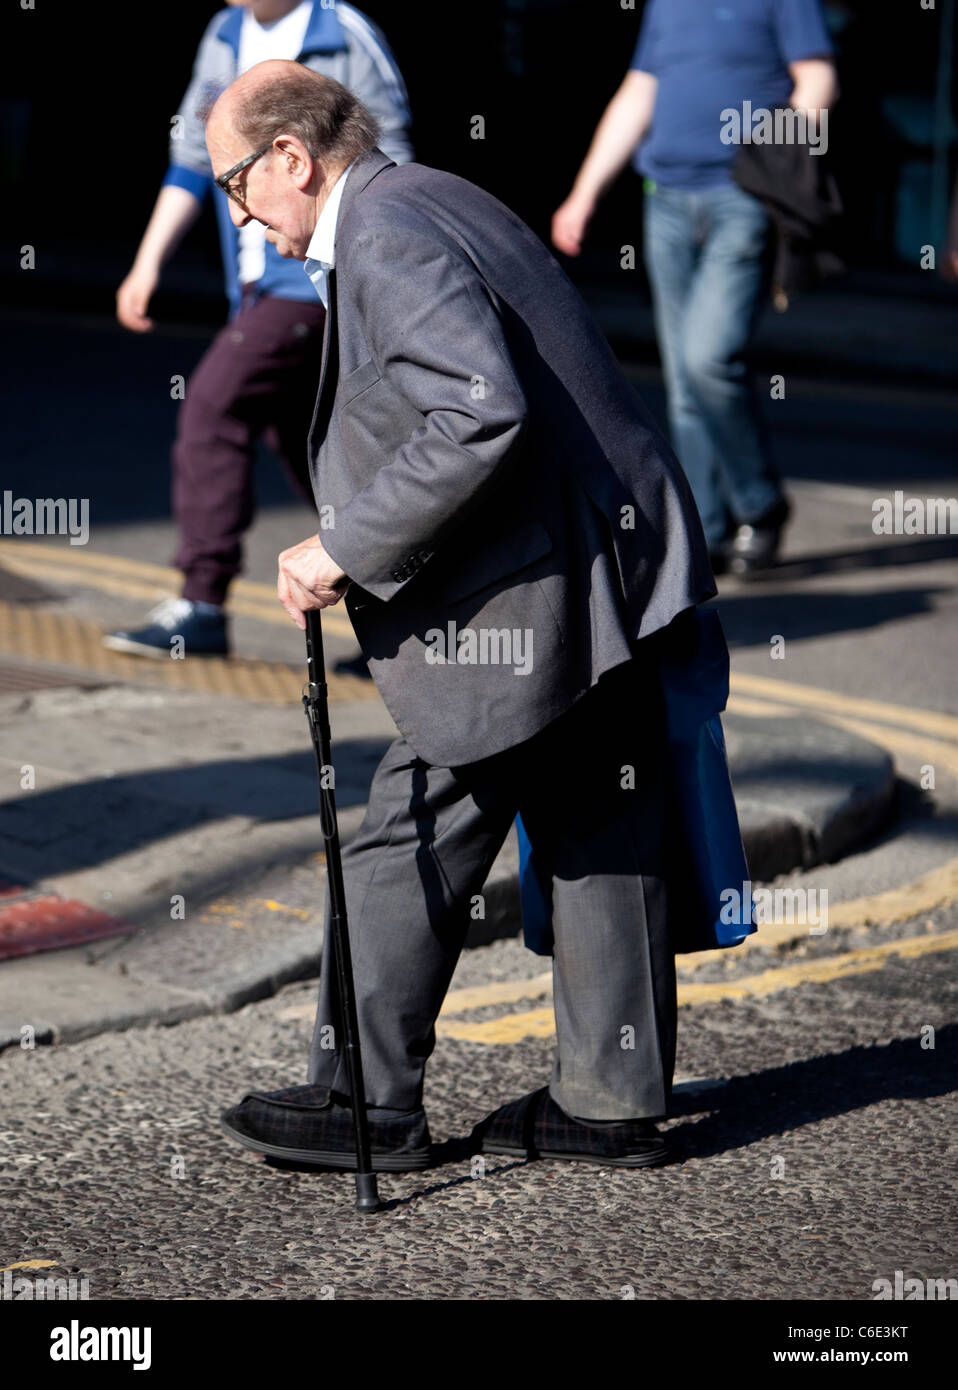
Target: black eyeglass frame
224 179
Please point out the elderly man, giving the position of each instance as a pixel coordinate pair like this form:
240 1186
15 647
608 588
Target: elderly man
516 547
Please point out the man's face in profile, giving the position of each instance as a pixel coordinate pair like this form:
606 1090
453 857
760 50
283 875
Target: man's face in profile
271 189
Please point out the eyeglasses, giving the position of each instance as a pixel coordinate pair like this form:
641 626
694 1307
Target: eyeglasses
223 181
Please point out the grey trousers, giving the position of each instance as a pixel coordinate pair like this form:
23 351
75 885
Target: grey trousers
594 790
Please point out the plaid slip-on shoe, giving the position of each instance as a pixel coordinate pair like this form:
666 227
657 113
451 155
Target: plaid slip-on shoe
312 1125
535 1127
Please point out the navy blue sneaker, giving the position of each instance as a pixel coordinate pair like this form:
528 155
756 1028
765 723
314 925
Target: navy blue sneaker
202 626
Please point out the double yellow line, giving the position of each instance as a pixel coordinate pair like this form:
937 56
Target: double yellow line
921 736
540 1023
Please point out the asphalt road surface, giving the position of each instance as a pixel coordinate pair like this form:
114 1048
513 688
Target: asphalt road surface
814 1130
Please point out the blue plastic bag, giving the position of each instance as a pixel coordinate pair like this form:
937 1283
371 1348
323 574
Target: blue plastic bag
696 691
535 893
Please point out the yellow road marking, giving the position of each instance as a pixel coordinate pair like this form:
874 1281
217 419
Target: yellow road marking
223 908
297 1011
118 564
541 1022
921 749
812 697
758 709
937 888
152 593
115 574
31 1264
282 907
857 962
537 1023
458 1001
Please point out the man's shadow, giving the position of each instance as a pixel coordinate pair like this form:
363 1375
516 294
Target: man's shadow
780 1099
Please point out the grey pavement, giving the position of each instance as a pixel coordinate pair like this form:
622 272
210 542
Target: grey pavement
147 796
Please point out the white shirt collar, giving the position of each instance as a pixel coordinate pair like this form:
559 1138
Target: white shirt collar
321 253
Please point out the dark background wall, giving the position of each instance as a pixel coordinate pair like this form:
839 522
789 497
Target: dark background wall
88 93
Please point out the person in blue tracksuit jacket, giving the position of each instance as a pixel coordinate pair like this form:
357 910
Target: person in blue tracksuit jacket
260 374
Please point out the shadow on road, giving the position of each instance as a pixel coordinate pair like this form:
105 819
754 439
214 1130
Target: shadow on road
781 1099
751 615
85 823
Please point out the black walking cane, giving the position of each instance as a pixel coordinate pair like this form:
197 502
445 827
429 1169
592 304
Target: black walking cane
316 705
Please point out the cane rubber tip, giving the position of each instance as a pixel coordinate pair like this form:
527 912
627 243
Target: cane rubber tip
367 1195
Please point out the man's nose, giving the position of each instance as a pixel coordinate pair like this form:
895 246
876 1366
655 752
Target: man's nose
239 215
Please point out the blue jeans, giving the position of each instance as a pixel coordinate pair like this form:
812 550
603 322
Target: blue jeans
706 255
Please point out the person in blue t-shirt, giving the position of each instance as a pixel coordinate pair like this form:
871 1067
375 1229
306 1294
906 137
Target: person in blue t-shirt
701 76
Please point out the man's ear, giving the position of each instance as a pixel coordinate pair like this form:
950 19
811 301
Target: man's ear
297 161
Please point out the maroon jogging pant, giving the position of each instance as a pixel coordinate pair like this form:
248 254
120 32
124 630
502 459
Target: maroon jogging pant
259 376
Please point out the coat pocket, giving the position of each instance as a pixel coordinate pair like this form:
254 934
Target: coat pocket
356 381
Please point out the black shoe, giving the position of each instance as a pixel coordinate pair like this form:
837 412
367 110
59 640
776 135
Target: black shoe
203 633
754 545
535 1127
314 1126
